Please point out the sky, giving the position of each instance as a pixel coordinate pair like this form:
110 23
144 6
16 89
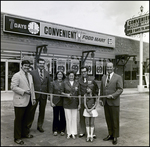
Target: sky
106 17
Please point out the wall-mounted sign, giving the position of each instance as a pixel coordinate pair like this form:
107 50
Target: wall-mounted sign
61 65
88 63
137 25
97 39
19 25
99 67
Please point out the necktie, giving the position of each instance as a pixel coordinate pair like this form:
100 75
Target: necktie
26 74
41 75
108 78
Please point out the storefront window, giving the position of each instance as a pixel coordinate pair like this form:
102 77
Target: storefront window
12 69
3 75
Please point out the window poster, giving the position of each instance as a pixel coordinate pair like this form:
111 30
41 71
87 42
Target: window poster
61 65
75 66
99 67
88 63
48 65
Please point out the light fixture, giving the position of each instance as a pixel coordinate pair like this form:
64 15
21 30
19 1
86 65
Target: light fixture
45 49
141 8
92 54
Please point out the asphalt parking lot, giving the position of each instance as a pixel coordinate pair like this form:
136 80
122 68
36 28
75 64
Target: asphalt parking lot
134 125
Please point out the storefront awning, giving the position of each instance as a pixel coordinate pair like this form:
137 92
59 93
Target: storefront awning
122 59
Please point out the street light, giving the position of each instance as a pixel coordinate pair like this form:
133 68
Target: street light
141 8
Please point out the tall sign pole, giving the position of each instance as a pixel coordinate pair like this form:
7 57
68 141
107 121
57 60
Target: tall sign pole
141 86
138 25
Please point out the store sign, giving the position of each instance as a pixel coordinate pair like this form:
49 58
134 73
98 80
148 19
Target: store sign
97 39
88 63
99 67
57 32
137 25
75 66
21 26
31 27
61 65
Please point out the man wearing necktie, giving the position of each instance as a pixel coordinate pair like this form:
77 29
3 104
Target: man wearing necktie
42 83
23 100
111 87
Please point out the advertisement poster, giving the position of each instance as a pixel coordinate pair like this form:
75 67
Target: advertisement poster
48 65
61 65
75 66
88 63
99 67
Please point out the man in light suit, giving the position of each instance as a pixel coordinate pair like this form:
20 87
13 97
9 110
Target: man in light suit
111 87
23 99
42 83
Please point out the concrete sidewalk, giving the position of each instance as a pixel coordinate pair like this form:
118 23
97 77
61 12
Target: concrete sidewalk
7 96
134 125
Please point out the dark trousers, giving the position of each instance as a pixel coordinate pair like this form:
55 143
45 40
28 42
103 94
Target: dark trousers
82 126
42 104
59 120
22 115
112 119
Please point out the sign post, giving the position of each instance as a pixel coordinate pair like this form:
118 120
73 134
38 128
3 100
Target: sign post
138 25
141 86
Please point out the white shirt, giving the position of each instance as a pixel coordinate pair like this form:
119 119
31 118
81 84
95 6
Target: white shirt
110 77
40 71
71 82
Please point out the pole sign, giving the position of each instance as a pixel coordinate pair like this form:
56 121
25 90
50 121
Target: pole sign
137 25
27 26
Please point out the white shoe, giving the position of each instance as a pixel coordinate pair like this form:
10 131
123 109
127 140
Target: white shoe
73 136
68 136
91 139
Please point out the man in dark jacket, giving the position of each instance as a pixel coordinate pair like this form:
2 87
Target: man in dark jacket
42 83
111 87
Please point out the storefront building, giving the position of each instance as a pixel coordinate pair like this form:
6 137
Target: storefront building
66 48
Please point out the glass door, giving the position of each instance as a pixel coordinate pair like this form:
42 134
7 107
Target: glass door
13 67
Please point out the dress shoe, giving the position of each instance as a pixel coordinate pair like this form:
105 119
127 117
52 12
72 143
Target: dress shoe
55 133
114 141
28 136
94 136
62 133
108 138
40 129
81 135
18 141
